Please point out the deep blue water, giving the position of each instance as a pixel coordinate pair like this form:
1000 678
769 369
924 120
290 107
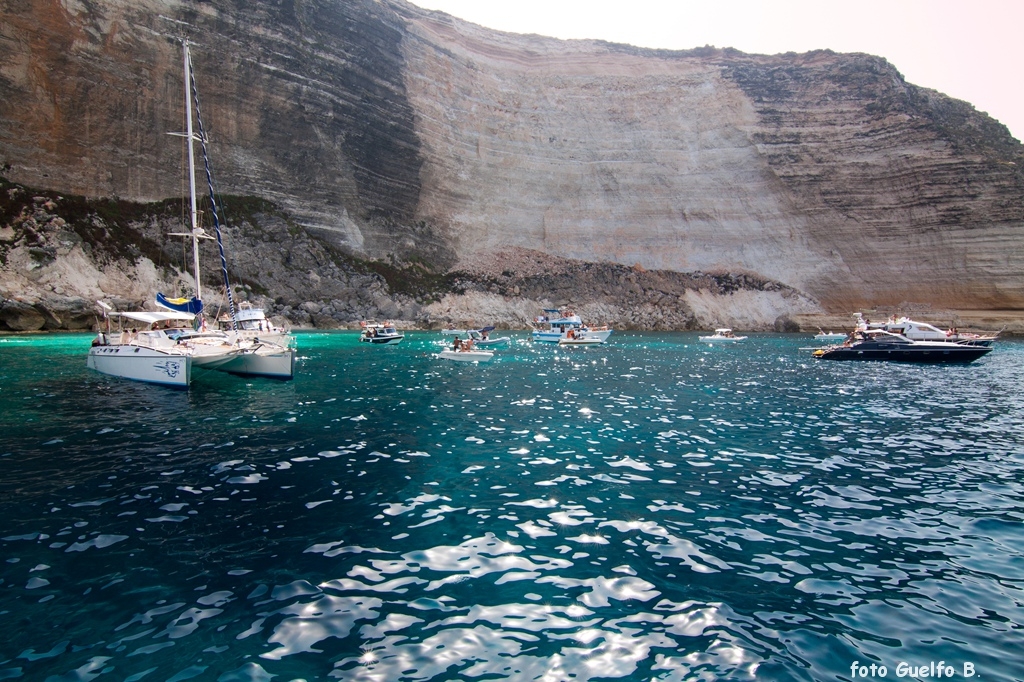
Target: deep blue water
654 509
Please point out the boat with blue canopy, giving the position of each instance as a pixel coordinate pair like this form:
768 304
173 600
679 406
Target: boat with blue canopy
556 324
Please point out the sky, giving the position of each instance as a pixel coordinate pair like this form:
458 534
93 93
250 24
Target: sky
968 49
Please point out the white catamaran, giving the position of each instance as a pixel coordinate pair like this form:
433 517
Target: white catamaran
163 347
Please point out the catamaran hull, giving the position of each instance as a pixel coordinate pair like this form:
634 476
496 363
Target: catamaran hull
141 364
214 358
276 364
278 339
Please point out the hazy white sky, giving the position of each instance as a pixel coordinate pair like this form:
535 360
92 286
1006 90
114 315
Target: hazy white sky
968 49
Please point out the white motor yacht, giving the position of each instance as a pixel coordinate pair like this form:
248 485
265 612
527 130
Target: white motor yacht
878 344
251 323
922 331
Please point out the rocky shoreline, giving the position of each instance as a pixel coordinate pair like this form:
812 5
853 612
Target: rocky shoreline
59 255
477 308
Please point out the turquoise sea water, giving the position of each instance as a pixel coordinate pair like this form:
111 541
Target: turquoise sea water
653 509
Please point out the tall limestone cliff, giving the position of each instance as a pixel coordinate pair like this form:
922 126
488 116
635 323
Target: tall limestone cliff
389 132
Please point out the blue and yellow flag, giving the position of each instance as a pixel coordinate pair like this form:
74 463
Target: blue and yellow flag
182 305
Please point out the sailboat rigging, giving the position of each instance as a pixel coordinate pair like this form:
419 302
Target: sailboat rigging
171 343
269 354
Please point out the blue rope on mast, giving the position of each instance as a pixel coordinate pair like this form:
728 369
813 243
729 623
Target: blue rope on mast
213 203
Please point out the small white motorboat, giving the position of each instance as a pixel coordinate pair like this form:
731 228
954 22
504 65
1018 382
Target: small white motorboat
555 325
829 336
466 355
380 334
481 337
723 335
580 341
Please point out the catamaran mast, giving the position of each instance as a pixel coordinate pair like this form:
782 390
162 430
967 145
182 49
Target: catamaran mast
213 203
191 168
196 232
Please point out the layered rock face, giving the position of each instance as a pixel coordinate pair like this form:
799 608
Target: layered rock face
825 172
303 103
394 132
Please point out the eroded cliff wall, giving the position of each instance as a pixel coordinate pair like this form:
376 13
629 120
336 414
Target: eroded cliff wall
823 171
304 103
394 132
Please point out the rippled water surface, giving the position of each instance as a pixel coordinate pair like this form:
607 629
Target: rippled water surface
653 509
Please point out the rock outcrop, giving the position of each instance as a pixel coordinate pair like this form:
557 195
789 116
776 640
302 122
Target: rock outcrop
392 148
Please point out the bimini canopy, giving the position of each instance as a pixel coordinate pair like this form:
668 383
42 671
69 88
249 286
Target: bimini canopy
151 318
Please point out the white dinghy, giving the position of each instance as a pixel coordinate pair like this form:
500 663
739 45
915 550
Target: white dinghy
466 355
723 335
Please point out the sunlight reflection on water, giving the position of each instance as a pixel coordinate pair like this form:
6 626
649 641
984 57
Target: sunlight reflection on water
649 509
